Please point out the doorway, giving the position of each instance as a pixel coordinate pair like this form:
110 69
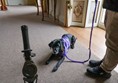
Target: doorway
81 13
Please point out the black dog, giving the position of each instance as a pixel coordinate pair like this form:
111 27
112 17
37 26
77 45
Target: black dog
60 48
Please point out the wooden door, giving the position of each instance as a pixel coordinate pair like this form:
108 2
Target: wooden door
77 15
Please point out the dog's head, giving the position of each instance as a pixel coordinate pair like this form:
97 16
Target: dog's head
55 45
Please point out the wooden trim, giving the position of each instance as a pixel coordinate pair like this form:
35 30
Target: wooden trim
37 7
66 15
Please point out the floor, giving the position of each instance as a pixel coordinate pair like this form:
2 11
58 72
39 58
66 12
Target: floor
83 36
98 39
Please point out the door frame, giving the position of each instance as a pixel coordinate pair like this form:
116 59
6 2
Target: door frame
102 18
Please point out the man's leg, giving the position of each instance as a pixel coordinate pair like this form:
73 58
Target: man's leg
111 57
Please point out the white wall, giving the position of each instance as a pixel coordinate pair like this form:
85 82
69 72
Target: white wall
16 2
60 10
20 2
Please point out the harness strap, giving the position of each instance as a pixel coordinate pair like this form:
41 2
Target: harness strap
91 33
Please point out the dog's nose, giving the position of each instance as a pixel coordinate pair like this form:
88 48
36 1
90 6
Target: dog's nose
55 51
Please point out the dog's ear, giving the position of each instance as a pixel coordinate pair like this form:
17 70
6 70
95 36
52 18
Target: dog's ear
52 43
73 40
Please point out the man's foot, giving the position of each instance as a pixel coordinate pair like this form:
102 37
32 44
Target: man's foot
94 63
98 72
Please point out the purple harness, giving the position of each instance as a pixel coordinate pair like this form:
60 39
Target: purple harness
66 45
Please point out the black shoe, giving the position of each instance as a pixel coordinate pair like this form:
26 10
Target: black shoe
98 72
94 63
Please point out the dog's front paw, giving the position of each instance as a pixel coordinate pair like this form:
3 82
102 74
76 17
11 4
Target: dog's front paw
54 69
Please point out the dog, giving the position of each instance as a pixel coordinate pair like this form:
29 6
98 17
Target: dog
60 48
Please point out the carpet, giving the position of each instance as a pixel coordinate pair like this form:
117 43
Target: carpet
40 34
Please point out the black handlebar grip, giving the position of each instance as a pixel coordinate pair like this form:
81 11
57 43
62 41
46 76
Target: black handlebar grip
29 69
25 36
